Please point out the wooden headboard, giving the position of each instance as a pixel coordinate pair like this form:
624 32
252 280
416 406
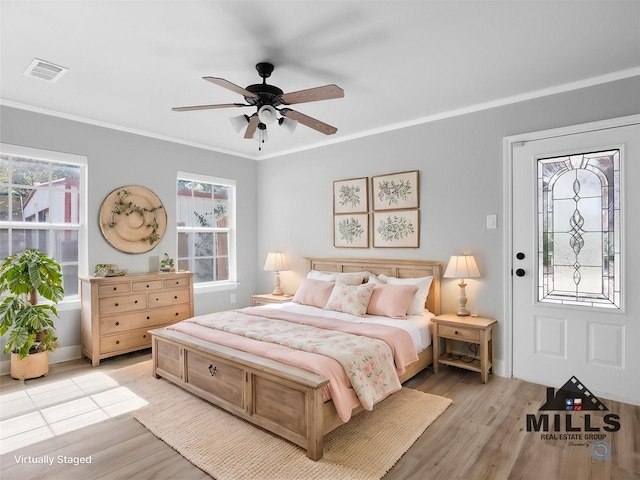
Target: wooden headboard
388 267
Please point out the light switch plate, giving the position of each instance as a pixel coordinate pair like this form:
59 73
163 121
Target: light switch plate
492 222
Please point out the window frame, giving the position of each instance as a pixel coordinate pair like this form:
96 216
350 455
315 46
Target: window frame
231 282
75 160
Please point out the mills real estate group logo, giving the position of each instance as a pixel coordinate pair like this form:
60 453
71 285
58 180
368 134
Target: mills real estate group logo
576 424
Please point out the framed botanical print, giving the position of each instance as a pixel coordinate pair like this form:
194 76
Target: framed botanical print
397 229
351 230
395 191
351 196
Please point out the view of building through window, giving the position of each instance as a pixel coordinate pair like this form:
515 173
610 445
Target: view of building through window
40 207
205 213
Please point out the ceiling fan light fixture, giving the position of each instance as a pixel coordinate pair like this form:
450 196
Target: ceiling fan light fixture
262 135
267 114
288 124
239 122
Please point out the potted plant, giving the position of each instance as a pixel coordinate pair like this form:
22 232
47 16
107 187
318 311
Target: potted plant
166 264
24 277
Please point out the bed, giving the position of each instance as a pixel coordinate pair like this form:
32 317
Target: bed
283 398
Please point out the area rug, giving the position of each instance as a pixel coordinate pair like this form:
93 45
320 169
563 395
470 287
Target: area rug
228 448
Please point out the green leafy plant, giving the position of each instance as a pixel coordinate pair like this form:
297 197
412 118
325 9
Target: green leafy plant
22 278
166 263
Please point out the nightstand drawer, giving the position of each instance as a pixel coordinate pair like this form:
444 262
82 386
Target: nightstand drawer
459 333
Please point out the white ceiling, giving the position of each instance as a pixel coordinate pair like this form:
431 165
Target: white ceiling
399 63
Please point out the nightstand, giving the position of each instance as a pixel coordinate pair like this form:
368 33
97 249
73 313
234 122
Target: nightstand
476 330
265 298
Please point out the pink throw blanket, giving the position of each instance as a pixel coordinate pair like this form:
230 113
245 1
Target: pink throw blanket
313 343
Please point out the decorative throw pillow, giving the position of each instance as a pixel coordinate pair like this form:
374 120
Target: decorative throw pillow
353 278
317 275
313 292
351 299
391 300
423 284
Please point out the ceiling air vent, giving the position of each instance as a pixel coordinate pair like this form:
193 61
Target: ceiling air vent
45 70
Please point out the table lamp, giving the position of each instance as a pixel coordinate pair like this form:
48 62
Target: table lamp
462 266
275 263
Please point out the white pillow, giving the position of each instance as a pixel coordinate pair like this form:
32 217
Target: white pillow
317 275
352 278
424 283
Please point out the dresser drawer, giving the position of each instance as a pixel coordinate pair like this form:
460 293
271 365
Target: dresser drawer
124 303
148 285
177 282
151 318
111 288
125 341
459 333
163 299
216 377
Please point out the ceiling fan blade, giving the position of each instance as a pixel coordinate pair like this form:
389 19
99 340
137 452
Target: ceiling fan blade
326 92
251 128
309 121
208 107
231 86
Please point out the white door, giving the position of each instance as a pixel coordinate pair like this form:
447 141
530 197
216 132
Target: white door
576 260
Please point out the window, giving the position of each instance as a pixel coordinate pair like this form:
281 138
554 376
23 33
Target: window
579 229
42 206
205 214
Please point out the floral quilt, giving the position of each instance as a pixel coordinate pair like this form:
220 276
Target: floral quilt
368 362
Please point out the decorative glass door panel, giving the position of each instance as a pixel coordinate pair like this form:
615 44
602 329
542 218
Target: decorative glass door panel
579 229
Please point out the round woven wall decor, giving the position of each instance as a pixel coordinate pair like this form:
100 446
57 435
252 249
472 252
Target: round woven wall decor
133 219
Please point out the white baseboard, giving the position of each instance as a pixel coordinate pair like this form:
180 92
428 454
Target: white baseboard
62 354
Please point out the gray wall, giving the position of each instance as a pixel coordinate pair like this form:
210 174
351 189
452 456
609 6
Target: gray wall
461 181
116 158
285 203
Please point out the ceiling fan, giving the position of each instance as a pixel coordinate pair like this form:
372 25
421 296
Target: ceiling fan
270 101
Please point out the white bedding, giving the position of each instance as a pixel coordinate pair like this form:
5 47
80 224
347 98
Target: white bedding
417 326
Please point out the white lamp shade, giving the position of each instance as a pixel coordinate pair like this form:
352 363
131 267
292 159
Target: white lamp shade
289 124
239 122
267 114
462 266
275 262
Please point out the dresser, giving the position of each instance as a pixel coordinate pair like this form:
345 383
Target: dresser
117 312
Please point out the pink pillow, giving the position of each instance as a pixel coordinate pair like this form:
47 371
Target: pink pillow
391 300
313 292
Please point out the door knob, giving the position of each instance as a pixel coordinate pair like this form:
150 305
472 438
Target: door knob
520 256
520 272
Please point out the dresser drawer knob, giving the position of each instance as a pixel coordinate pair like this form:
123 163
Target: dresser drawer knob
117 323
144 336
175 297
213 370
177 313
117 304
117 342
148 317
456 332
136 301
115 288
147 286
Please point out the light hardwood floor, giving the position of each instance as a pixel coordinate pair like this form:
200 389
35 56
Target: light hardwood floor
481 436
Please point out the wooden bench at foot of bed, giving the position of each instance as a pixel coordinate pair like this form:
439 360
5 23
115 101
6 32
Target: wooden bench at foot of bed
282 399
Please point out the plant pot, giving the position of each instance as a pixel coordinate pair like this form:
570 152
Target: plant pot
32 366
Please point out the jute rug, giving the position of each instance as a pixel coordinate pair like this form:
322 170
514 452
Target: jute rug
228 448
